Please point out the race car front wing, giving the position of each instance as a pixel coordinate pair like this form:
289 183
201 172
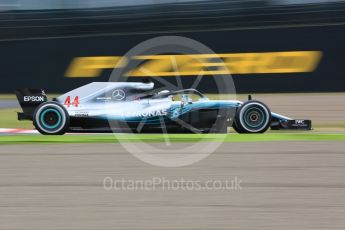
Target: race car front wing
280 122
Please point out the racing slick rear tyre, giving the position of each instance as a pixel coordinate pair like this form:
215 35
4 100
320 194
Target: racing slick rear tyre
252 117
51 118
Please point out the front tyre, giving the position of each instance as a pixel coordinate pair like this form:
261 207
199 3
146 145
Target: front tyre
252 117
51 118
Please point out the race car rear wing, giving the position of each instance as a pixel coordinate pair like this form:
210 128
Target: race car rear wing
29 99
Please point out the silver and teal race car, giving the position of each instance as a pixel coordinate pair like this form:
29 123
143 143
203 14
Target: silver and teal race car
138 107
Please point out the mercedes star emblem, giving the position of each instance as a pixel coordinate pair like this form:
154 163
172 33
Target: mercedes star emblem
119 94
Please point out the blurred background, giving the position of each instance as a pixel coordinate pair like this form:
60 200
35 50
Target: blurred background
270 46
39 40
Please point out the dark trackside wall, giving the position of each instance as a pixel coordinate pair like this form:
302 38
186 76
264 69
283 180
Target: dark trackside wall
42 63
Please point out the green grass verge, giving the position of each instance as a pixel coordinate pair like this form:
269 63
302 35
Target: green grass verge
8 119
103 138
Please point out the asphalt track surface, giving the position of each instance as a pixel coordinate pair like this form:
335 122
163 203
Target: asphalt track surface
4 104
285 185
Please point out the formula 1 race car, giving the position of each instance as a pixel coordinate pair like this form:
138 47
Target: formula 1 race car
137 107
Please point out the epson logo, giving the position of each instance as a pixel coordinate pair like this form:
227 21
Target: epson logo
33 98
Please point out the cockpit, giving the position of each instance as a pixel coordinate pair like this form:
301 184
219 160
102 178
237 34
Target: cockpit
186 96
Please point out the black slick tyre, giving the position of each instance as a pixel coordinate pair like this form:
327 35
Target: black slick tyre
51 118
252 117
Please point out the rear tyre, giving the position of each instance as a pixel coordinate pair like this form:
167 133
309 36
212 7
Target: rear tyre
51 118
252 117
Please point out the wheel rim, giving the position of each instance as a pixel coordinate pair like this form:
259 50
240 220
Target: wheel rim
51 118
254 117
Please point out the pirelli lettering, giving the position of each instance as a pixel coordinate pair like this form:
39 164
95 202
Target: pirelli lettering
93 66
195 64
